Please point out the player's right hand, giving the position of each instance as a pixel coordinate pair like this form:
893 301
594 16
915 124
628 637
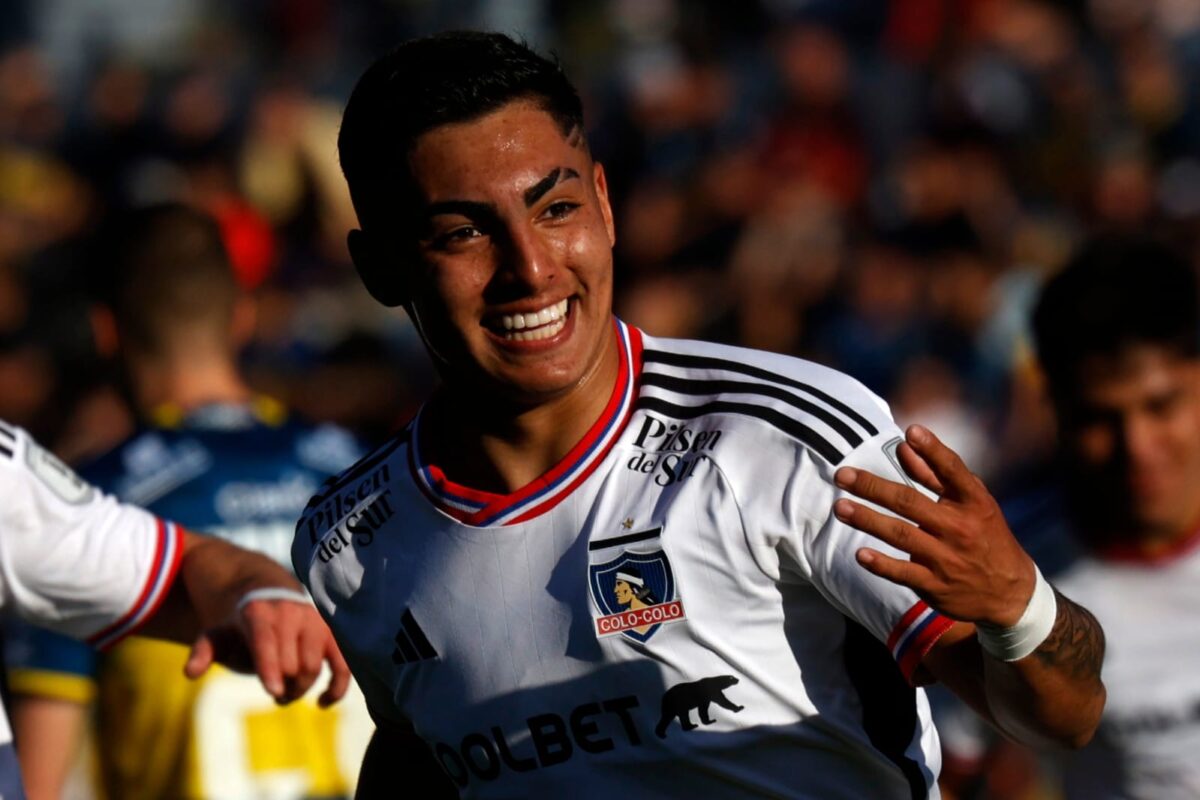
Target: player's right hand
282 641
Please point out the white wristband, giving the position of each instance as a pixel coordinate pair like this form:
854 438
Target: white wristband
271 593
1010 644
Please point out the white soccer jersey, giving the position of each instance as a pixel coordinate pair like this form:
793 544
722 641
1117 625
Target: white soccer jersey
1149 736
671 610
73 559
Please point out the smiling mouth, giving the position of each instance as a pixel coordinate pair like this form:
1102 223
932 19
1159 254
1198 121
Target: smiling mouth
532 326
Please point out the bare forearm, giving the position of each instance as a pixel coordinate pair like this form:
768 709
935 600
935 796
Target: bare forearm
213 576
1055 693
48 733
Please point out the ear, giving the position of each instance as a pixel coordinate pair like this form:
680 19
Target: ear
384 277
104 331
600 183
243 322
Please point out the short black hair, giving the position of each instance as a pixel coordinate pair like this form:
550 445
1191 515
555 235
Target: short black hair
162 266
424 83
1116 292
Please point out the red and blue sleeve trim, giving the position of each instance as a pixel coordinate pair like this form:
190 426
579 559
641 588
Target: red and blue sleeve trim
168 553
540 495
914 634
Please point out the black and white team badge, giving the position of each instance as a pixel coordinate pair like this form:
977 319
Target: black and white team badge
633 586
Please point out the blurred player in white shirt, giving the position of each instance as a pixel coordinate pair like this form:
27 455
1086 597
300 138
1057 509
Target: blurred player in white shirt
1118 333
77 561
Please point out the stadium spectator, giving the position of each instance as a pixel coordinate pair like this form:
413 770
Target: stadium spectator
222 459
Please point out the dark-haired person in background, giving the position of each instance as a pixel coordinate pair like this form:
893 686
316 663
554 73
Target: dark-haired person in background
216 456
1118 335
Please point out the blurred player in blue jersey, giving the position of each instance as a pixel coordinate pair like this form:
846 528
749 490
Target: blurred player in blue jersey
221 459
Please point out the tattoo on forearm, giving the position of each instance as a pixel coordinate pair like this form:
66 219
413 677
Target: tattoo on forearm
1075 643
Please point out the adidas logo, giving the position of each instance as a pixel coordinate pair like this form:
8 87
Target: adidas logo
411 643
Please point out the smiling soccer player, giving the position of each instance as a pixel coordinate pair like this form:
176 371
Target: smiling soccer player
783 626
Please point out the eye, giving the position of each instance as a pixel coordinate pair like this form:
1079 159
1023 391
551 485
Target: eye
1162 405
560 209
458 236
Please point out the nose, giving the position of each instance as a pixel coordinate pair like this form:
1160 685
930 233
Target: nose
1138 440
528 262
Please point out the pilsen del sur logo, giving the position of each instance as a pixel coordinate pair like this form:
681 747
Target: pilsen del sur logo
634 589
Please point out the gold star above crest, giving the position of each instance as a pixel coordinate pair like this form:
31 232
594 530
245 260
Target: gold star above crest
628 523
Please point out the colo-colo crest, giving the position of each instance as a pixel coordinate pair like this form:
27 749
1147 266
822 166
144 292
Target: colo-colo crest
633 590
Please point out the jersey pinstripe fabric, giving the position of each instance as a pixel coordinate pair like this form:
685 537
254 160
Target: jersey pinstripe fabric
74 559
672 609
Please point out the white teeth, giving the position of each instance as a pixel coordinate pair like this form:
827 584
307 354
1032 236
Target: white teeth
543 332
535 325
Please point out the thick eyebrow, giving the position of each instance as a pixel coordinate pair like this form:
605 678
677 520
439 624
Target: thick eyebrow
539 189
467 208
476 210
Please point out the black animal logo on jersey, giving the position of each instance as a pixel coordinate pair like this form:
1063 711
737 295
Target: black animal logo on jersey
681 699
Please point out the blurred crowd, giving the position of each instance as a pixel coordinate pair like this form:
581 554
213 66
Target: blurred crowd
881 186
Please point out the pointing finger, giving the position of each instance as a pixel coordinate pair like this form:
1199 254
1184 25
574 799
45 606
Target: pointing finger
312 645
264 647
288 640
339 681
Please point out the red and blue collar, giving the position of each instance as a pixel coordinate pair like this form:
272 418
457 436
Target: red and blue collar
484 509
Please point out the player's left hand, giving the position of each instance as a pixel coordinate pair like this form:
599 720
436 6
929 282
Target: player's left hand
284 642
964 560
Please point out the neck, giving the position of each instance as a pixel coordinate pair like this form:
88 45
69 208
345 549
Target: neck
190 383
504 446
1134 542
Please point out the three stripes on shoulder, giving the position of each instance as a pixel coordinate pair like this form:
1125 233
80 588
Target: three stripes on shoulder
811 415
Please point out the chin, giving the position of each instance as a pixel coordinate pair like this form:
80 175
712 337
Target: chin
536 391
520 386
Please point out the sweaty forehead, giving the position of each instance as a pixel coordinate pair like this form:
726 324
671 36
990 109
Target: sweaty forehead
507 151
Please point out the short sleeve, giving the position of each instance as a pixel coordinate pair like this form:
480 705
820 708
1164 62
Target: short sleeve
72 558
823 549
